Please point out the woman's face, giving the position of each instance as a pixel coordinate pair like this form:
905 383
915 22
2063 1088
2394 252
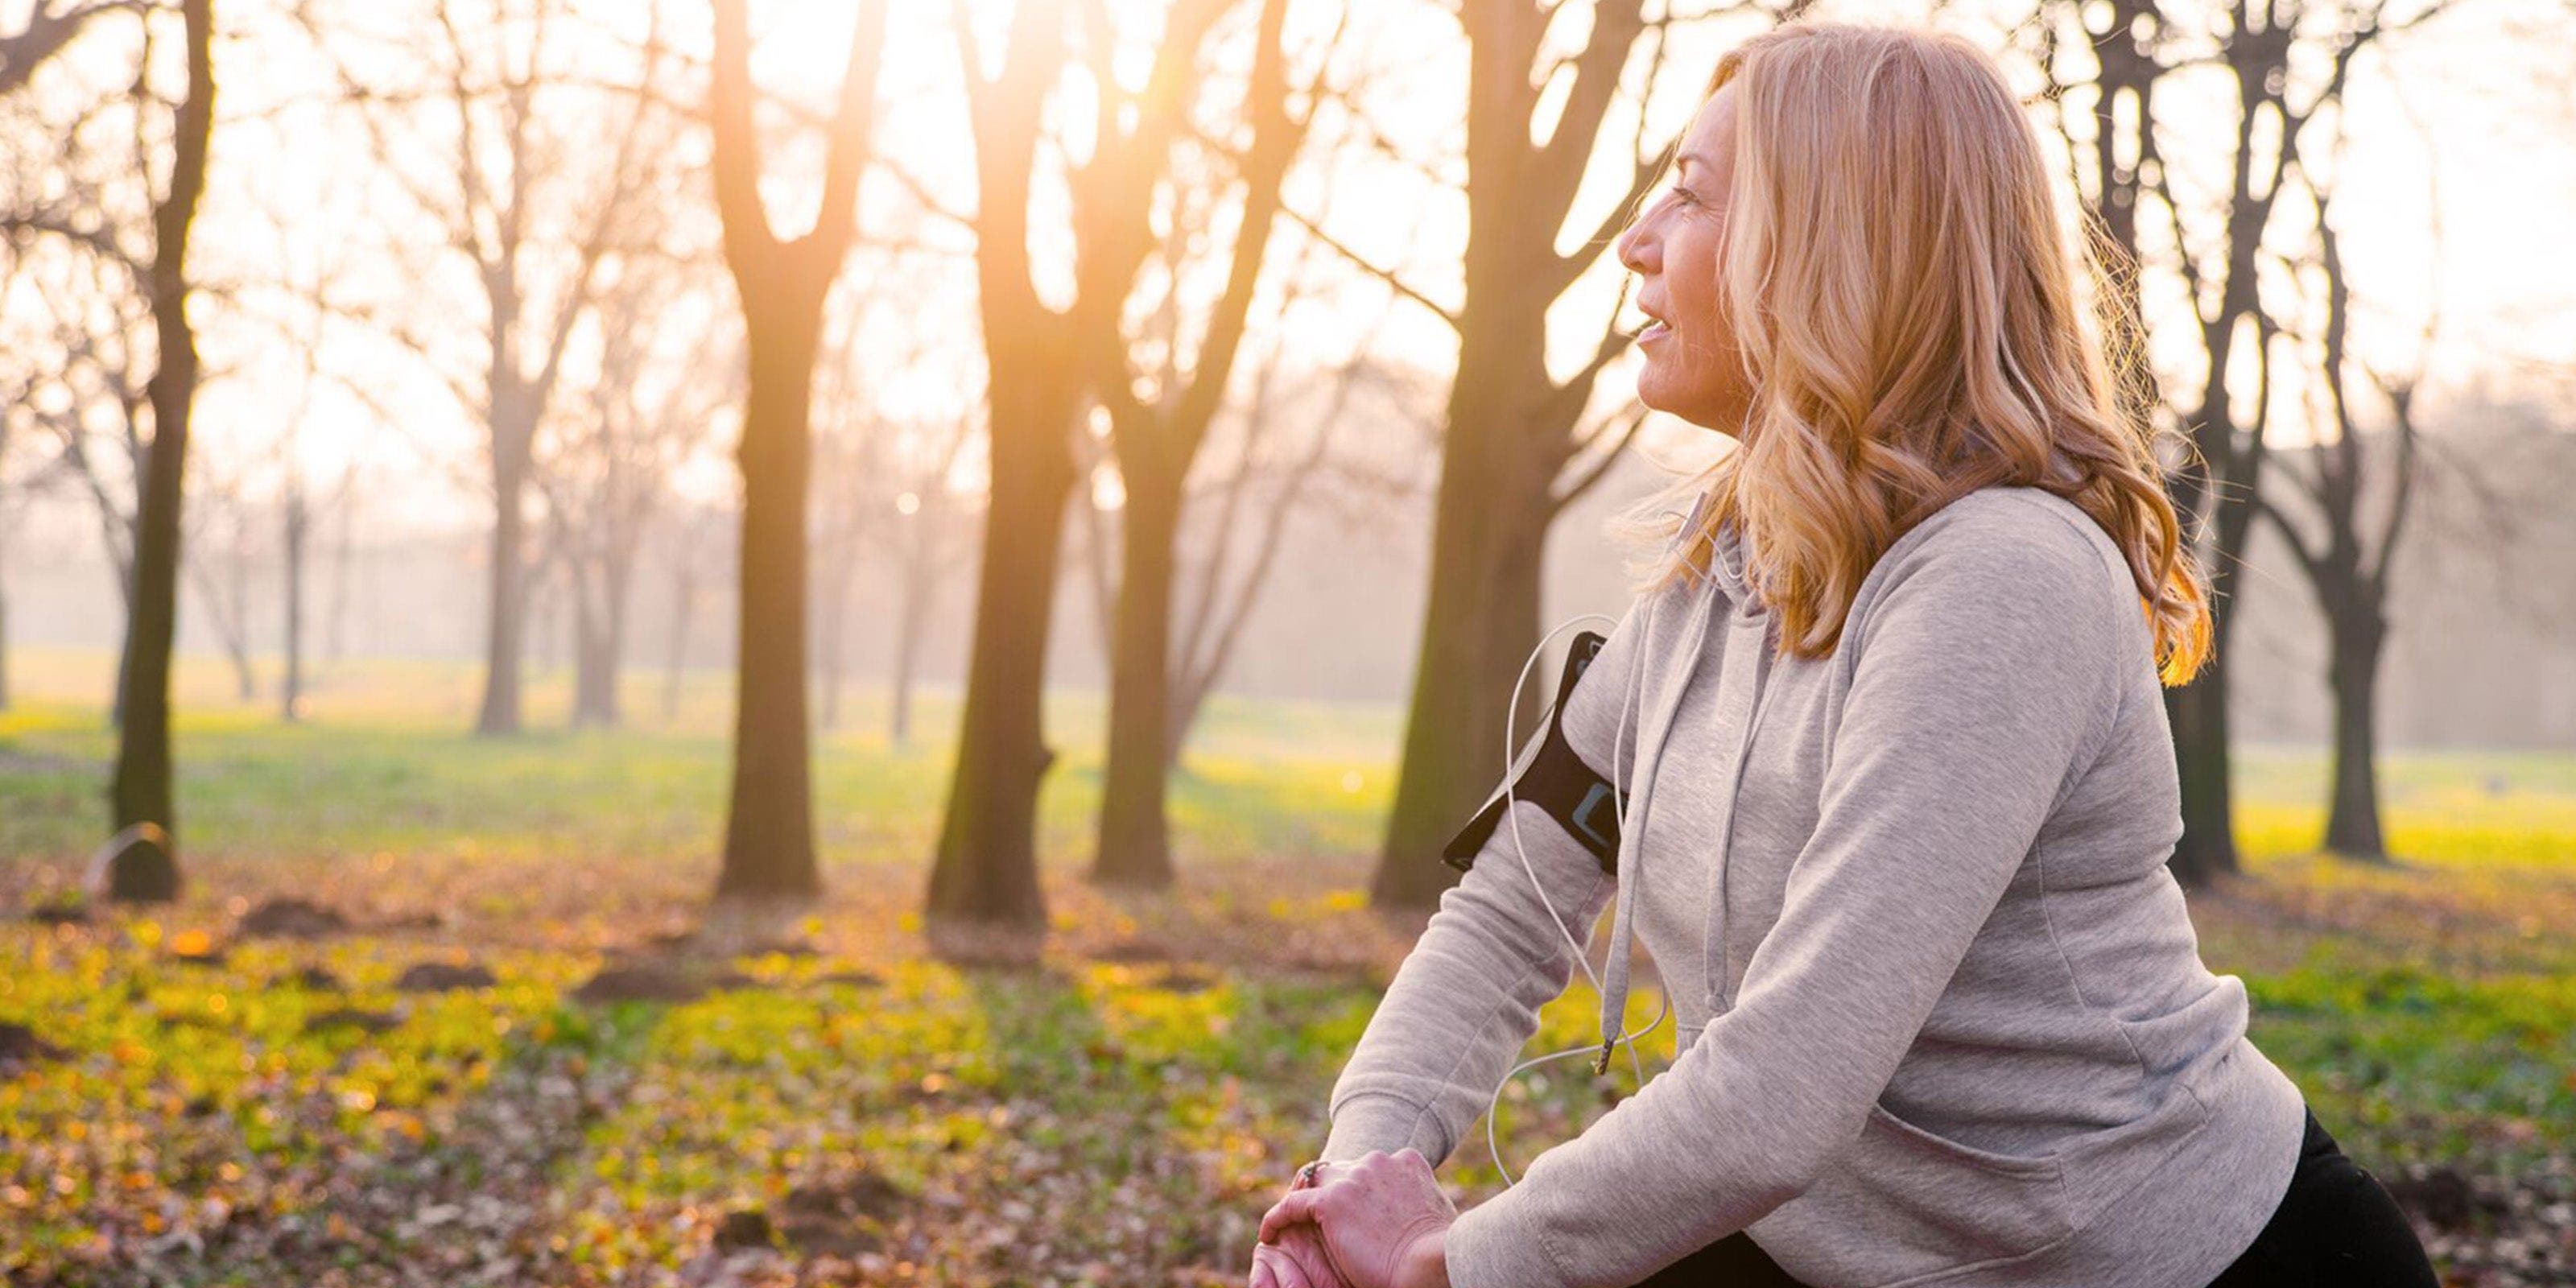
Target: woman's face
1692 369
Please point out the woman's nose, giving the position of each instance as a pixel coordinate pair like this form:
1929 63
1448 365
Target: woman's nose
1632 247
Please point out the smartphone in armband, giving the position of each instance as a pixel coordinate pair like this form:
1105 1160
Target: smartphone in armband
1549 775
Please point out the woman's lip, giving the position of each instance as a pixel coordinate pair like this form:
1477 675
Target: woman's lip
1655 330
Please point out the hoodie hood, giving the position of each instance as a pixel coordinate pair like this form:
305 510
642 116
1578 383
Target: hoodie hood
1724 565
1747 624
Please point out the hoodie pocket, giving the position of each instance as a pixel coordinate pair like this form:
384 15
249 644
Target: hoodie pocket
1903 1205
1974 1204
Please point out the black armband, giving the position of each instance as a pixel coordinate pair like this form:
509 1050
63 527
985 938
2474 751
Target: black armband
1550 776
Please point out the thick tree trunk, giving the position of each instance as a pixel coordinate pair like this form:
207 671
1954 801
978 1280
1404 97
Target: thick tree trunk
769 823
2198 715
2197 712
1489 532
1135 839
769 830
986 870
2352 820
507 601
290 696
139 794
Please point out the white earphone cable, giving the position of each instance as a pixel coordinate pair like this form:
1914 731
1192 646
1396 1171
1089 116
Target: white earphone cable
1618 798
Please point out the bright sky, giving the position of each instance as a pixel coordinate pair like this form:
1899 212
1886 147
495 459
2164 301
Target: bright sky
2457 183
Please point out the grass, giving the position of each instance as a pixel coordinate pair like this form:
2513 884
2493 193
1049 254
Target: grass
247 1110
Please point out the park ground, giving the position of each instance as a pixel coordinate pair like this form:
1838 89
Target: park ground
431 1013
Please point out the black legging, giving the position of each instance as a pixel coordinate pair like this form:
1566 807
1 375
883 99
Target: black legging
2337 1227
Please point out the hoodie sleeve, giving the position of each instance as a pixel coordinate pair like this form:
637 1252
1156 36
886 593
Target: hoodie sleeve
1983 680
1468 995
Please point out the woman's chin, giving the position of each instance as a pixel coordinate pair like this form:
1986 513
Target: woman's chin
1650 390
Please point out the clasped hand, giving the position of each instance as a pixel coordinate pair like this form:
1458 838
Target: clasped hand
1377 1221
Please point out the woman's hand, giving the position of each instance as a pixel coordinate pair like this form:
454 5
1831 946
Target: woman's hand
1382 1219
1297 1260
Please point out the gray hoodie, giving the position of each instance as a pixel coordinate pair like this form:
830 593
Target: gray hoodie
1942 1017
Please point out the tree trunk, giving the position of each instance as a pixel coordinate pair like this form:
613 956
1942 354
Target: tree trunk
237 642
139 794
290 697
684 596
832 633
245 677
2197 712
1135 838
910 619
1489 532
769 829
506 606
4 648
335 626
594 659
2352 820
986 870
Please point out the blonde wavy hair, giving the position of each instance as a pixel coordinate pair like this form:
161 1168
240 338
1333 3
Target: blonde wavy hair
1928 343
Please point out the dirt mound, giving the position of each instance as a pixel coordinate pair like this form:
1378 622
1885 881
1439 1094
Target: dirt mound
291 918
20 1047
350 1017
438 977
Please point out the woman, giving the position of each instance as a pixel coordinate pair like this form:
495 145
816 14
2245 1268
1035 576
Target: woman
1901 785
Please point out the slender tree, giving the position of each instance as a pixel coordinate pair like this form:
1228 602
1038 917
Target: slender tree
63 207
1157 440
139 795
2361 499
494 173
1221 582
661 380
1042 362
2285 65
928 541
769 826
221 550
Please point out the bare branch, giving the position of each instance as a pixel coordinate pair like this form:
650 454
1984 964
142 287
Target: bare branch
1361 262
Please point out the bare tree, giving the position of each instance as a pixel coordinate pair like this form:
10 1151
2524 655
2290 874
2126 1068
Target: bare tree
94 405
18 479
51 25
2282 66
496 173
659 383
932 537
769 830
1158 437
222 554
300 504
78 229
693 538
1261 489
1044 361
139 795
1517 447
859 454
2360 507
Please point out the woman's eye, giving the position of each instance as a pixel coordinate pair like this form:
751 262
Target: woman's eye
1683 196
